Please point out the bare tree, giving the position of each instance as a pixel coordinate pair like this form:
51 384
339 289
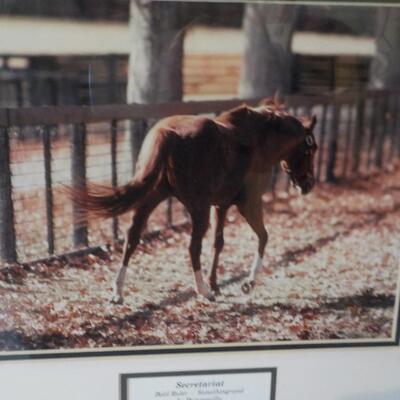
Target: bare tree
267 60
156 58
385 71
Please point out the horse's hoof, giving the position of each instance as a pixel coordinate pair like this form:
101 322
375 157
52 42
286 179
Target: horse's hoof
248 286
216 290
117 299
209 296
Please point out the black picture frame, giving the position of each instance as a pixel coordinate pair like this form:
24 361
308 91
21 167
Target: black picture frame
34 353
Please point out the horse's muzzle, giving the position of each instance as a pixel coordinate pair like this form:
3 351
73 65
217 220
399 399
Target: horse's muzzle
307 184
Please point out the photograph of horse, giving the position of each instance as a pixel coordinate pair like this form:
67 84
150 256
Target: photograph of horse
198 176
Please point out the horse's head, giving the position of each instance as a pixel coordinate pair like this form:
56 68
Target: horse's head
300 162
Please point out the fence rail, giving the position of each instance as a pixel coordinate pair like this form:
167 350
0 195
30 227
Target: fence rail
53 115
356 133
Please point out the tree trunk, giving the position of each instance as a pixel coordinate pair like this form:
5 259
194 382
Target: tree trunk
156 58
385 71
155 62
385 74
267 57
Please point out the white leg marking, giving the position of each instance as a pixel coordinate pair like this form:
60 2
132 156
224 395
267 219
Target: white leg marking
201 287
119 284
255 266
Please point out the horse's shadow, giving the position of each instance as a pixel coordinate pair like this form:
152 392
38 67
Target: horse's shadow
16 340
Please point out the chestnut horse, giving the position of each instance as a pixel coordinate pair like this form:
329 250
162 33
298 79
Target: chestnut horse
206 162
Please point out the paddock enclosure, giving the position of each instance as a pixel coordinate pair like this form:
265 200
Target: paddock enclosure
331 265
356 133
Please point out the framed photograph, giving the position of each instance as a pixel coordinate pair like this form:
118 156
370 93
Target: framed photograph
225 180
257 384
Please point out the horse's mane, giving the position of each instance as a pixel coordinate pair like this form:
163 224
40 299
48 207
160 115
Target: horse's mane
269 108
273 105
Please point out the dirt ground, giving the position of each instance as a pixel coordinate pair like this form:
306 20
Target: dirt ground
330 272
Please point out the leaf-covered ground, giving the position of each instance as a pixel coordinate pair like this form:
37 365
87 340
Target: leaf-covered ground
330 272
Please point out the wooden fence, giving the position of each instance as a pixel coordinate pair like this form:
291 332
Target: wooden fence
357 133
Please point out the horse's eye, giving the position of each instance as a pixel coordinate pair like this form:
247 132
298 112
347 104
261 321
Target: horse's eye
309 140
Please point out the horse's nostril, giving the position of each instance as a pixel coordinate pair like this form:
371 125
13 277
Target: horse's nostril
310 180
308 184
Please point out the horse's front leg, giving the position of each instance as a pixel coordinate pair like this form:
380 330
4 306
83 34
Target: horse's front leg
218 221
200 219
254 216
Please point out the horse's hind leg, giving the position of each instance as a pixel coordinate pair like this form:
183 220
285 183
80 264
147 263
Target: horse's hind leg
219 220
254 216
132 240
200 219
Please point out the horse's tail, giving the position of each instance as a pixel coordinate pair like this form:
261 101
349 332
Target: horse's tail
104 202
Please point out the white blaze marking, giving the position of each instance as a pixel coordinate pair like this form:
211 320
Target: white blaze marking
255 266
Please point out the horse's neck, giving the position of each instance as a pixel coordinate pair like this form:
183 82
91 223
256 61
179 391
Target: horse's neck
268 147
267 151
272 148
256 182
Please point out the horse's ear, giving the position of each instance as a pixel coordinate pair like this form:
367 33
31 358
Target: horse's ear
310 123
277 99
274 102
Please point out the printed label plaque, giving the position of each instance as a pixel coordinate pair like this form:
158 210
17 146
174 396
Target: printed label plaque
254 384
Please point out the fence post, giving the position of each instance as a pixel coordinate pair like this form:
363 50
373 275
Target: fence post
348 138
397 127
49 188
373 123
333 143
114 173
321 144
358 136
8 252
381 134
78 175
393 116
137 133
